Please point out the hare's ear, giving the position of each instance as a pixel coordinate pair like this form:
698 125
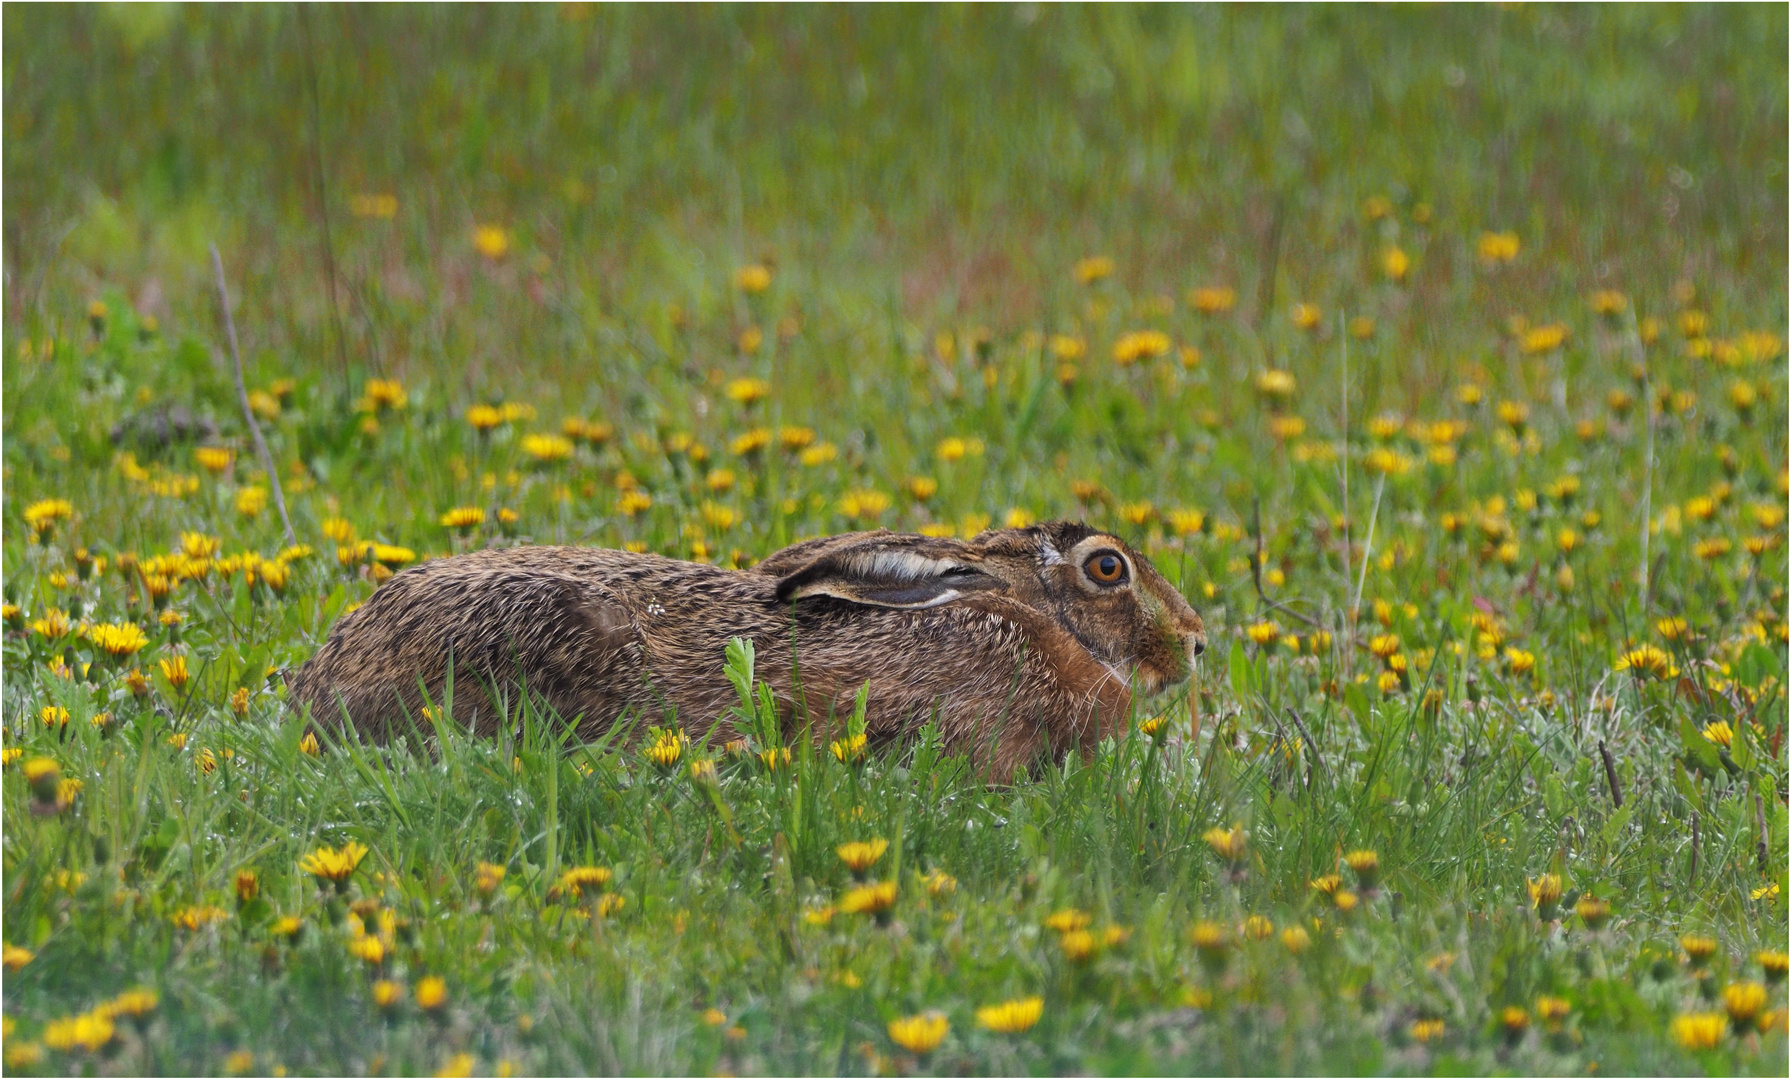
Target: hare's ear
881 574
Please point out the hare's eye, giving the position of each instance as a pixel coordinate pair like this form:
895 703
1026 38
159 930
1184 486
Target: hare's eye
1106 567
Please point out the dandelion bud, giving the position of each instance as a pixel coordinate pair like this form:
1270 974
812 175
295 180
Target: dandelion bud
1366 865
45 777
248 886
1592 911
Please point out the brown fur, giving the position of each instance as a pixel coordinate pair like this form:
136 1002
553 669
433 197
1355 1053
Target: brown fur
1005 637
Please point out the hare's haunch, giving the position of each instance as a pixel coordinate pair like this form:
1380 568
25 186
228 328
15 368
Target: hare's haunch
1024 642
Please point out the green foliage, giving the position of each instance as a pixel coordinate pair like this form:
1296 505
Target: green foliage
1513 504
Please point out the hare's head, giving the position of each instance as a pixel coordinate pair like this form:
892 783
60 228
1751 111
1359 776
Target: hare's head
1106 595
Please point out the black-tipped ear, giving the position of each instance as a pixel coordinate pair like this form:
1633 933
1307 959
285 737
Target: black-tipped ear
887 575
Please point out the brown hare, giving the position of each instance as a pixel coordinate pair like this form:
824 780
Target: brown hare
1023 642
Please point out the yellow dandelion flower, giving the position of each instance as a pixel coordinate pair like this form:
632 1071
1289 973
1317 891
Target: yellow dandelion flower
1140 345
547 449
1068 919
1093 268
1498 247
432 992
746 391
848 749
869 899
920 1034
491 241
334 864
1698 1031
860 855
1296 940
753 278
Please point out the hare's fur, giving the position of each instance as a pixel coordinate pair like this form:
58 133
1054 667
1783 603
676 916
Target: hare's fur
1005 638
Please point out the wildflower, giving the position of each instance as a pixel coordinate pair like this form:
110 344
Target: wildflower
860 855
920 1034
547 449
1093 269
1017 518
1231 844
1213 299
1719 732
753 278
1077 945
214 459
1366 865
53 624
1515 1020
1344 901
1698 949
775 758
579 878
869 899
251 501
239 701
1296 940
1149 728
22 1057
939 883
432 992
1592 911
1211 943
666 748
1140 345
43 515
1541 339
335 865
1137 512
1011 1017
199 916
1258 928
308 745
1698 1031
1713 548
633 502
1425 1031
1264 634
369 949
287 927
90 1031
1306 316
1186 522
1498 247
464 518
387 994
1327 884
1609 302
750 442
848 749
1545 894
491 241
1743 1001
1068 920
1647 661
248 885
1275 385
53 716
1520 661
13 957
746 391
1395 263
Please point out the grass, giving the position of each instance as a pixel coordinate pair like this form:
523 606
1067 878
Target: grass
1481 508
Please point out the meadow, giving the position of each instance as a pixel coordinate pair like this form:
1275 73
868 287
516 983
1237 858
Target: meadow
1437 356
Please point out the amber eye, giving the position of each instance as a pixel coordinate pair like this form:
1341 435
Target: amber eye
1106 567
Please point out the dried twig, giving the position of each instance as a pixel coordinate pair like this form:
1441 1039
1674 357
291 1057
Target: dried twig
242 398
1762 853
1610 776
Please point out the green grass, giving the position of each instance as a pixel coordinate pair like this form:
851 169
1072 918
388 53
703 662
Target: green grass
922 185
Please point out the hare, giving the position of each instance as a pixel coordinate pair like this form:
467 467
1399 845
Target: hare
1023 642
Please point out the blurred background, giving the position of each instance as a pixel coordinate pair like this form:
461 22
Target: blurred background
901 169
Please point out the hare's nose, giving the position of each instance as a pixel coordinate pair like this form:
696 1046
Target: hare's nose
1199 641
